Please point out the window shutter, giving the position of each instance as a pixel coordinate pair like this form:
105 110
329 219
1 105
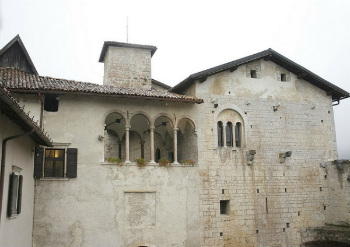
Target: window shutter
72 161
19 198
38 163
11 194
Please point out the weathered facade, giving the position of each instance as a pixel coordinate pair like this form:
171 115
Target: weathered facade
259 130
269 197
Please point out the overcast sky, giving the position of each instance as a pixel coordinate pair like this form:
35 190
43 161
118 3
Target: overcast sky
65 38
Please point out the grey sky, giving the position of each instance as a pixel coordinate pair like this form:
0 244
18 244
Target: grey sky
65 38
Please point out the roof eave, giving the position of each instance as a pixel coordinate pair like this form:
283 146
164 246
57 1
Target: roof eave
17 115
31 91
106 44
336 92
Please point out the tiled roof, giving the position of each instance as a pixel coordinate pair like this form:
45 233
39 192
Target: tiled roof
18 81
10 108
165 86
269 54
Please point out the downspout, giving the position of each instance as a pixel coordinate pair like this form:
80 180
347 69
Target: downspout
3 155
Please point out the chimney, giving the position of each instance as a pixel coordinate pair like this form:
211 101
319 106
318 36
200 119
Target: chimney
127 65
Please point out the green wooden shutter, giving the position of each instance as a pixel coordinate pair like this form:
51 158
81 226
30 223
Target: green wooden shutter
11 194
19 198
72 161
38 163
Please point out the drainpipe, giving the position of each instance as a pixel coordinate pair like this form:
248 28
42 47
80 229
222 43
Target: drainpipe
3 155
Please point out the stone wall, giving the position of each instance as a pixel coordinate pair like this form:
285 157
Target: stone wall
127 67
269 201
337 191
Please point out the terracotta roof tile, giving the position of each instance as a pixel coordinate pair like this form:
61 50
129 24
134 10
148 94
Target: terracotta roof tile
16 80
11 108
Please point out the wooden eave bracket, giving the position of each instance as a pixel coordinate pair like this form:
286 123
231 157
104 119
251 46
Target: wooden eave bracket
330 92
268 58
301 76
203 79
233 68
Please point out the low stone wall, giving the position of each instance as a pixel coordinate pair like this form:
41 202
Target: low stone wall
328 233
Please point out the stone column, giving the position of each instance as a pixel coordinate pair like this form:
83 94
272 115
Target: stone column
175 145
152 144
224 134
127 158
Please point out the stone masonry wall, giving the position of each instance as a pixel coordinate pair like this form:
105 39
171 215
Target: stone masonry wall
127 67
269 201
337 191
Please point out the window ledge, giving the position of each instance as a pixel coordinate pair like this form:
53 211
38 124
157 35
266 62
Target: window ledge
148 164
54 179
224 215
232 148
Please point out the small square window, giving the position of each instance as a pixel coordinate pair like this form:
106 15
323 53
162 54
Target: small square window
224 206
253 74
283 77
51 102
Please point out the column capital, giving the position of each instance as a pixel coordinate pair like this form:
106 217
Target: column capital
175 129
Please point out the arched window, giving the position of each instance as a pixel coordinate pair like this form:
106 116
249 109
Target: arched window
238 134
230 129
229 137
220 133
114 130
158 155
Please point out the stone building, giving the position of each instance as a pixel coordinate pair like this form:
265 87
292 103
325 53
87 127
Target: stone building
250 144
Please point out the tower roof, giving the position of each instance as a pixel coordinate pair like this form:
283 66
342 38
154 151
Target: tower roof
106 44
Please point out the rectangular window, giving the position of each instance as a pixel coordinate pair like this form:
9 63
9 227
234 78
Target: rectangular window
15 193
253 74
51 102
224 207
54 163
283 77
